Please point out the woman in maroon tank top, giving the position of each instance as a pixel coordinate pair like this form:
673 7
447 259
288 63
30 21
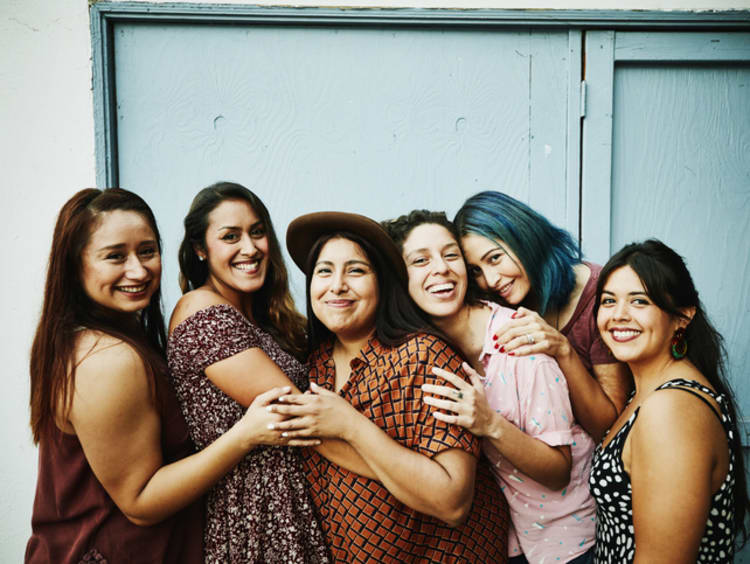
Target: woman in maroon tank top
117 481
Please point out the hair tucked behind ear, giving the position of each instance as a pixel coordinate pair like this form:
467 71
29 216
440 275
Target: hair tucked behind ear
67 308
273 306
669 285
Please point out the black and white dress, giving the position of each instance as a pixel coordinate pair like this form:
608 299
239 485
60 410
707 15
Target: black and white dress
610 487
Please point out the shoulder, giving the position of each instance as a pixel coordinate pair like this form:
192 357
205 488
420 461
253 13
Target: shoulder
196 301
423 348
108 370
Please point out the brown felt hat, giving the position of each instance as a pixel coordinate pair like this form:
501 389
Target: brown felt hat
305 230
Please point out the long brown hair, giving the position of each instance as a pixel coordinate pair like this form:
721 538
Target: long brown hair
67 308
272 306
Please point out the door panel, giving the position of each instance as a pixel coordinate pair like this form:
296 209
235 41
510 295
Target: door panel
372 120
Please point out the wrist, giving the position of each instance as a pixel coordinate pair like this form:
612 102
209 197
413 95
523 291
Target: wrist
242 438
496 426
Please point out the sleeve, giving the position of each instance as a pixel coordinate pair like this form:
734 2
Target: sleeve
216 333
546 413
428 435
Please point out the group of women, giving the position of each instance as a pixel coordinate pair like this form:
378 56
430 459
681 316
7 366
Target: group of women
466 391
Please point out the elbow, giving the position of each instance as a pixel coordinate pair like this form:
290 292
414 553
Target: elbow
142 521
557 483
455 514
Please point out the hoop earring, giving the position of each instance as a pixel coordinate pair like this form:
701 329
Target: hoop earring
679 344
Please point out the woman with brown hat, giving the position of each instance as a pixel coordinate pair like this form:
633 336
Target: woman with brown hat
371 351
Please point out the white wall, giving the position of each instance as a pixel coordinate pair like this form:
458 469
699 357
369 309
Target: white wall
47 153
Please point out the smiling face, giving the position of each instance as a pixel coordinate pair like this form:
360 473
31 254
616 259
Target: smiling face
236 248
437 273
635 329
120 264
495 268
344 290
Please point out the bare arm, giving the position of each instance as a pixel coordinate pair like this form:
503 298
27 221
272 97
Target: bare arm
671 503
548 465
597 398
114 418
411 477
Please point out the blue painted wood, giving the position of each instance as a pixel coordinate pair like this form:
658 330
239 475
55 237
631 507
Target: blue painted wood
597 141
695 46
378 121
574 125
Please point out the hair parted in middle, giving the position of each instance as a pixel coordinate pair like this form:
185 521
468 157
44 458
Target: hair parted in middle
547 253
273 307
396 316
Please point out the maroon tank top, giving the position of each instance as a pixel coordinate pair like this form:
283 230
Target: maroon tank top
75 520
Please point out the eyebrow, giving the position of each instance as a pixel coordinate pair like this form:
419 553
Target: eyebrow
495 248
122 245
639 293
259 222
347 263
425 249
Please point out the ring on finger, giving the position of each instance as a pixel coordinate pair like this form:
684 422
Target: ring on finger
530 338
459 394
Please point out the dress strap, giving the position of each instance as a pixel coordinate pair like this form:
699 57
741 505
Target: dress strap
700 397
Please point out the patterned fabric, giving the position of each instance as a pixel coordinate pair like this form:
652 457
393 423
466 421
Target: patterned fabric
362 521
581 330
531 392
610 485
261 511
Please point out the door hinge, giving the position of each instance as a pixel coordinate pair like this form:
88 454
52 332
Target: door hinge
583 98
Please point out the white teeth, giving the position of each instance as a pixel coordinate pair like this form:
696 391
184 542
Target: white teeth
246 265
132 289
625 334
442 287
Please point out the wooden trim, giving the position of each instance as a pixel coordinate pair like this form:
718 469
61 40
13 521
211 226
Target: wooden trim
696 46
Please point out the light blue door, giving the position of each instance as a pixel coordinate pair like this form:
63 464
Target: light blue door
673 111
377 121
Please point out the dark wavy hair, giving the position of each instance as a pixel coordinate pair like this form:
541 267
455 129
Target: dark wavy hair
399 229
66 308
397 317
547 253
669 285
273 307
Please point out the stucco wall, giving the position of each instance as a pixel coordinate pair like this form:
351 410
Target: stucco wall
47 153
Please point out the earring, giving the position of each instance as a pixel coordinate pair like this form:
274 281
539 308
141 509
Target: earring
679 344
201 258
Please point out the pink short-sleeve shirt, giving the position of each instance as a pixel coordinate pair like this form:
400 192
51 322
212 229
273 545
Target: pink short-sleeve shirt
531 392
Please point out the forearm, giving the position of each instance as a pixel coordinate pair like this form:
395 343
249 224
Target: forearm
536 459
411 477
592 407
180 483
342 453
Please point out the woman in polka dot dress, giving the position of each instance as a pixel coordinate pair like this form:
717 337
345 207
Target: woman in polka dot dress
668 478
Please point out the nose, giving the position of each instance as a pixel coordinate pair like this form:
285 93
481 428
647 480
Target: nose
491 277
338 283
621 310
134 268
439 266
248 245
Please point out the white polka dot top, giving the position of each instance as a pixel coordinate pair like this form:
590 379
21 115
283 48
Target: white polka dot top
610 487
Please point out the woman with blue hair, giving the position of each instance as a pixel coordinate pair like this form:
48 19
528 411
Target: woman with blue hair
517 256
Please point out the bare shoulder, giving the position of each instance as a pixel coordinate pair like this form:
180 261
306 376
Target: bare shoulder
109 372
193 302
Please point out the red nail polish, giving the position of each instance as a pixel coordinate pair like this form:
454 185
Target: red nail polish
497 345
511 354
502 349
514 315
494 337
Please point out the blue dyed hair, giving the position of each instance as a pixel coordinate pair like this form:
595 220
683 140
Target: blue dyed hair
547 253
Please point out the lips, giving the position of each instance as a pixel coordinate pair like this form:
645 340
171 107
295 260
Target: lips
133 291
505 289
339 303
624 335
249 267
441 289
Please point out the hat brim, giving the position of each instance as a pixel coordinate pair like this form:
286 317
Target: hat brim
305 230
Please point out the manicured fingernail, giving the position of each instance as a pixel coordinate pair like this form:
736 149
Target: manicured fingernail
271 426
494 337
497 345
287 389
284 434
502 349
269 408
511 354
514 315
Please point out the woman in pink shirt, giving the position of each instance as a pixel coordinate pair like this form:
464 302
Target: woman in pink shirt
540 456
